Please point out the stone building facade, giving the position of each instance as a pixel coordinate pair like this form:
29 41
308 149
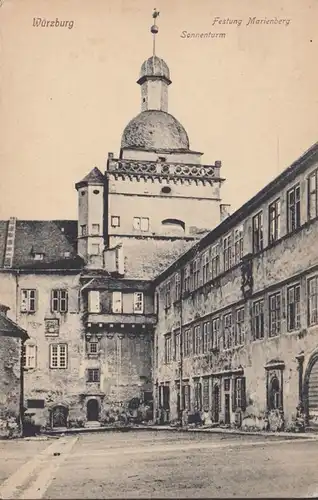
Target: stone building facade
238 314
12 339
83 288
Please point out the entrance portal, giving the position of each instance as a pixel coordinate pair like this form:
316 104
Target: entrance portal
92 410
59 416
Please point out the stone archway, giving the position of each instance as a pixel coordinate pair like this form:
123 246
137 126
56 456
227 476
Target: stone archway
311 391
92 410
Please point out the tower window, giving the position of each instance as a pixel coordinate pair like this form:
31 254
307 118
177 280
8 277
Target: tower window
166 190
84 230
144 99
82 193
141 223
95 228
115 221
173 224
96 191
95 249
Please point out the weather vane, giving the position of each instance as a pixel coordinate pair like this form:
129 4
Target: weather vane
154 30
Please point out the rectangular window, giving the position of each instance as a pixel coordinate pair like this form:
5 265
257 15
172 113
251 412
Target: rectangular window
274 314
196 274
186 396
93 375
227 331
312 195
257 232
197 344
95 229
239 397
117 302
313 301
215 261
28 300
36 403
167 291
293 209
227 252
92 347
215 332
186 279
29 356
94 301
197 396
187 342
168 349
293 308
95 249
58 356
274 221
141 223
115 221
59 301
177 346
205 395
138 302
177 286
207 339
83 230
238 244
206 275
258 319
239 327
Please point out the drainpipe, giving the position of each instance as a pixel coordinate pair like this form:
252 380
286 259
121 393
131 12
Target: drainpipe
181 346
23 339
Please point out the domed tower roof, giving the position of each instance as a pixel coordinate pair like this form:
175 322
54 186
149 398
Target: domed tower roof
154 66
155 130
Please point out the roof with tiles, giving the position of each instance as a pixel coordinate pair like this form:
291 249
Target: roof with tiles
55 240
95 177
11 329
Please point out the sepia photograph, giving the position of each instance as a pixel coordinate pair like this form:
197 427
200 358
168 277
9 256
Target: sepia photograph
158 249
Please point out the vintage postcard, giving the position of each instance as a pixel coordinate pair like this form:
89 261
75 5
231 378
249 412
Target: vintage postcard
158 249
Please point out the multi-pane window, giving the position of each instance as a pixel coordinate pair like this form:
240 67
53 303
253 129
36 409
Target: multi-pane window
258 319
93 375
115 221
197 396
215 261
138 302
177 346
313 195
92 347
207 340
238 244
239 327
117 302
186 396
197 344
58 356
167 292
28 300
274 314
196 274
257 224
59 300
313 301
187 342
227 252
93 301
293 208
274 221
227 331
293 307
206 267
141 223
168 348
177 286
186 278
239 393
215 332
205 394
29 355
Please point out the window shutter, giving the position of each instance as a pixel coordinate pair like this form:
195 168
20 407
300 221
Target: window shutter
234 388
93 301
24 301
243 392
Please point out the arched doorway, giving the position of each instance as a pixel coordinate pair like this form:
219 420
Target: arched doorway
215 403
59 416
92 409
311 392
274 394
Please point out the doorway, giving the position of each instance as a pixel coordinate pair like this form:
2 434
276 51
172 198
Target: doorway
227 401
59 416
92 410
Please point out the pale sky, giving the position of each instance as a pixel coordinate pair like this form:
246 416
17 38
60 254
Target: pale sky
249 99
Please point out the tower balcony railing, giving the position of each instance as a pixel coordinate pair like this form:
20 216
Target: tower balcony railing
119 167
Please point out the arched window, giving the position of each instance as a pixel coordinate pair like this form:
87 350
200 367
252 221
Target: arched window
173 226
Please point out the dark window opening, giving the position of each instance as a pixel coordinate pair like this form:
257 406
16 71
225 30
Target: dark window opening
166 190
173 222
35 403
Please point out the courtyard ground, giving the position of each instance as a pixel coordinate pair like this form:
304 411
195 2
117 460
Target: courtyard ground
159 464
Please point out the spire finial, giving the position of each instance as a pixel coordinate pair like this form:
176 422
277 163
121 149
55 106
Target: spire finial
154 30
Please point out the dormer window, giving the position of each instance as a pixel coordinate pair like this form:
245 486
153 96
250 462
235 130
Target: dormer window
38 256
